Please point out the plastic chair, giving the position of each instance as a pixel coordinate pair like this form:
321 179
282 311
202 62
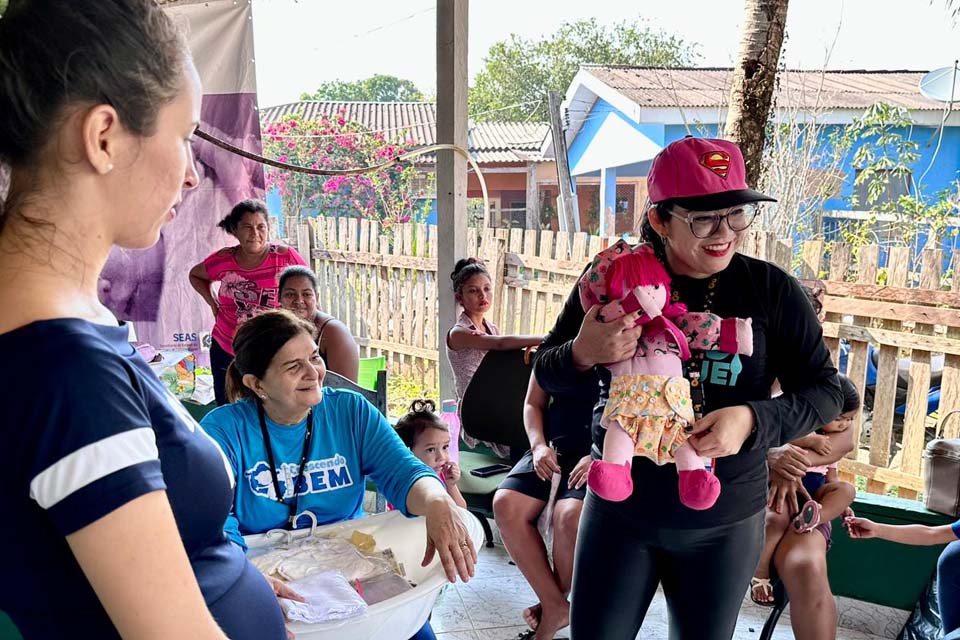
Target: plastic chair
492 405
780 601
368 372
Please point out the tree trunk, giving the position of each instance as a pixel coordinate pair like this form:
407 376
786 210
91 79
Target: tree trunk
754 79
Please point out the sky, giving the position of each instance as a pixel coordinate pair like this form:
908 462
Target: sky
300 43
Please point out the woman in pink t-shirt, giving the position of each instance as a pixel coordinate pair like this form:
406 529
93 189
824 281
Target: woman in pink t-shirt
247 273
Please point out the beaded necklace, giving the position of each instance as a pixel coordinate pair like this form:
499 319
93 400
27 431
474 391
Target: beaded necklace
693 366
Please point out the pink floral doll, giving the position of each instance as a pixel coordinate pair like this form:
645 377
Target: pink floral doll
649 405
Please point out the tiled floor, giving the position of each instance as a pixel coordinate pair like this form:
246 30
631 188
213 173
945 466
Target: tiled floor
489 608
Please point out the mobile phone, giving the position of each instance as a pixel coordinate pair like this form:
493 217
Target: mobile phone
492 470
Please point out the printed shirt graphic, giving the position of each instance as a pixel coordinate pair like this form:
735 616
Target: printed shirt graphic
320 476
245 293
351 440
721 369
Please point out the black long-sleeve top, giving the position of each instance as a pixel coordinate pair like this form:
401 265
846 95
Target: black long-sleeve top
788 346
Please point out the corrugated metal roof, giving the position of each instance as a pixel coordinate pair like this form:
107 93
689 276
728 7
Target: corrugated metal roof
489 142
688 87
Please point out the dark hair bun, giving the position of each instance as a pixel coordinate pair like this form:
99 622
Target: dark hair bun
419 406
465 269
463 263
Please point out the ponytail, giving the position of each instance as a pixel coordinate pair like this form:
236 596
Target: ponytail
236 390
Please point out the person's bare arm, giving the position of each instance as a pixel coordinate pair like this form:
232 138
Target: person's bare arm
135 562
841 443
545 462
461 338
534 409
815 442
343 355
201 283
447 533
915 534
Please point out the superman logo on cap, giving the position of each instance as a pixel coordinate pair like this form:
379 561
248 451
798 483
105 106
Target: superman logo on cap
716 161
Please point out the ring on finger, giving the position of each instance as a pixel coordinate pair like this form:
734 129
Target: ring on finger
464 544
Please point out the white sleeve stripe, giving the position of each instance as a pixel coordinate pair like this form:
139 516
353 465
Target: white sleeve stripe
91 463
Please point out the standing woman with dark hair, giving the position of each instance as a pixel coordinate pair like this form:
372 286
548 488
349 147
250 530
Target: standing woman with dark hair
703 559
298 293
114 498
247 273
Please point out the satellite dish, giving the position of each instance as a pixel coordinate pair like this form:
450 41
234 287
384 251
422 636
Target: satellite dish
942 84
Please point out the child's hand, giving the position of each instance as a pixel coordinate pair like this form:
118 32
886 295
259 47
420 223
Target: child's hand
821 444
451 472
860 528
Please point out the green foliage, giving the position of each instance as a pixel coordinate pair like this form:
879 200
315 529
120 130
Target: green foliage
518 72
884 154
402 390
377 88
386 195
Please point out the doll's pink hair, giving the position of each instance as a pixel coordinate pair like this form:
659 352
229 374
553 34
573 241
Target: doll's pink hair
640 268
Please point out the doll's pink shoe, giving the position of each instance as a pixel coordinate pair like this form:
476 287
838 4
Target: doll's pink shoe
610 481
699 489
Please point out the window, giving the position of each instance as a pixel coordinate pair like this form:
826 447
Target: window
896 185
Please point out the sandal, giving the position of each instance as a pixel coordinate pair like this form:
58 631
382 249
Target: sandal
763 586
808 518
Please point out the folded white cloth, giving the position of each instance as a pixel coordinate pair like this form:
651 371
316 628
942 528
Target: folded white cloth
318 554
328 597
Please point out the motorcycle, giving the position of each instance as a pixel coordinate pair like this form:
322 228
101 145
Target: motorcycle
900 400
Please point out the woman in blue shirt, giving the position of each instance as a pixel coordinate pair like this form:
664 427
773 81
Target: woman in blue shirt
295 446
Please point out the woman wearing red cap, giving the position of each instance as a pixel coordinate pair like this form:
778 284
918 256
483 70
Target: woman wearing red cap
703 559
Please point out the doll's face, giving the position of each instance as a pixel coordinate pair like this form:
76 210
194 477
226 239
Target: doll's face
653 298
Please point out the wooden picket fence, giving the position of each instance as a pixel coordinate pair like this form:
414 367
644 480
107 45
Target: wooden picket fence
383 285
907 315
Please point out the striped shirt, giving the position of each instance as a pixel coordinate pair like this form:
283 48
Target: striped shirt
86 428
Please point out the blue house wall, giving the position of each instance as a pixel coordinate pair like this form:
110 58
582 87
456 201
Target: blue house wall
938 172
941 175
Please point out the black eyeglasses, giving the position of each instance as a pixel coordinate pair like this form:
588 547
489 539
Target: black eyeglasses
704 224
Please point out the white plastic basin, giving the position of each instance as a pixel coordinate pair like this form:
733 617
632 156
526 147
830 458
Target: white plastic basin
399 617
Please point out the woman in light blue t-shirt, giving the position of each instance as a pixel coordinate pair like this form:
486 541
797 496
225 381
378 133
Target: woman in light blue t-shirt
295 446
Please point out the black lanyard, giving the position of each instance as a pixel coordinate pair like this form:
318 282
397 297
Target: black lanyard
307 439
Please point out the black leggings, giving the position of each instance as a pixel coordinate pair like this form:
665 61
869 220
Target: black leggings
219 361
620 561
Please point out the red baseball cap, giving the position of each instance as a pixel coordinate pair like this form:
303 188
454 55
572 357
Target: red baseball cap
701 174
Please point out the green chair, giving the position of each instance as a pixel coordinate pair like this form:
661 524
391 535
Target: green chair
8 630
369 370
